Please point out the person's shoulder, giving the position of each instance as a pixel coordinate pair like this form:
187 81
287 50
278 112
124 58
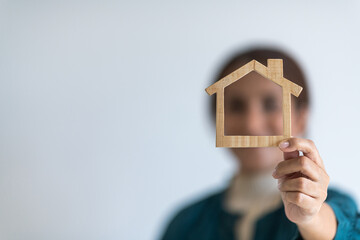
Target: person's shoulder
346 212
193 209
190 213
335 194
342 200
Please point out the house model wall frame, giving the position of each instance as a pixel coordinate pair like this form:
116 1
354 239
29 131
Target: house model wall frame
273 72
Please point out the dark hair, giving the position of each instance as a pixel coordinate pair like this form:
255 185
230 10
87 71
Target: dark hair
291 71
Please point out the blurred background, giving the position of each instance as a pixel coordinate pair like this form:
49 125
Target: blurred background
105 129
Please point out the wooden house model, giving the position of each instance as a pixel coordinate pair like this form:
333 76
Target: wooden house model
274 72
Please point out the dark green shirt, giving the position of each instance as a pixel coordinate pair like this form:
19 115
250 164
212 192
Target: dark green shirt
208 219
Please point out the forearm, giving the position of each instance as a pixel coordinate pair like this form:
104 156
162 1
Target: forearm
323 226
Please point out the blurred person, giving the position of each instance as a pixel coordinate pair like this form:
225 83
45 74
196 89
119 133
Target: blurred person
277 192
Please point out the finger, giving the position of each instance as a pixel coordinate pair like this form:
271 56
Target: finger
300 164
302 185
307 146
300 199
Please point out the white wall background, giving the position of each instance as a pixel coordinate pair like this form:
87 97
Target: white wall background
104 129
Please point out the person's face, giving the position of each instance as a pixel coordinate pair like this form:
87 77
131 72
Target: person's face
253 106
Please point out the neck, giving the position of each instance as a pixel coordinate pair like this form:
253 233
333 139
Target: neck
247 188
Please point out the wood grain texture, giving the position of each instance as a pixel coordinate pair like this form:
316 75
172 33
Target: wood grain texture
274 72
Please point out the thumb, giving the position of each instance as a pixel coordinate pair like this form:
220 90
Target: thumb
288 155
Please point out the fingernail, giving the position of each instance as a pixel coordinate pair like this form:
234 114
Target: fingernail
274 173
284 144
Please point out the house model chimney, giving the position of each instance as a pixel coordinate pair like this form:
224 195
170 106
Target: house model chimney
275 68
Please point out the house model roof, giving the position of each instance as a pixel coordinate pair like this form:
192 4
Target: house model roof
273 72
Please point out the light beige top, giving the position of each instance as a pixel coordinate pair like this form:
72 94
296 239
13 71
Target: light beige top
253 196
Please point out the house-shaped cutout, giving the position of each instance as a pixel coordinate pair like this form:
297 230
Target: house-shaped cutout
273 72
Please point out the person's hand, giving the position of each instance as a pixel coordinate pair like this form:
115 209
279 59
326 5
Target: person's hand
302 180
